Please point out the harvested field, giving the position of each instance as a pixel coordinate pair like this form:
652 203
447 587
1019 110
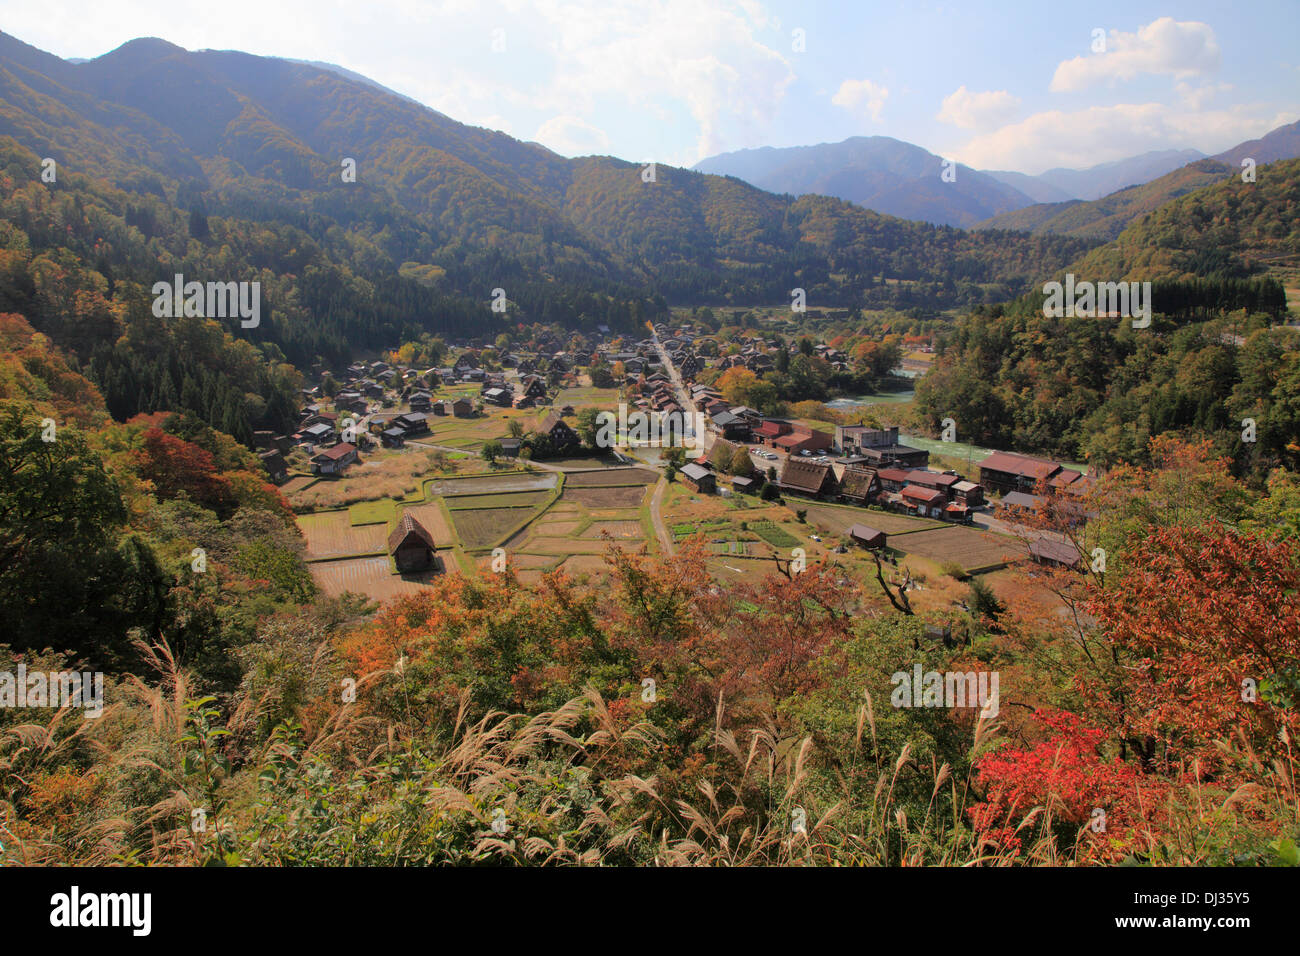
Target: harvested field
584 563
371 577
332 535
616 529
969 547
566 546
296 483
509 499
487 484
532 561
604 479
556 528
617 497
484 527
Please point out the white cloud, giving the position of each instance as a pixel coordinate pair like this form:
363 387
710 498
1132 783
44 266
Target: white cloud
571 136
1163 47
862 97
673 54
1082 138
977 110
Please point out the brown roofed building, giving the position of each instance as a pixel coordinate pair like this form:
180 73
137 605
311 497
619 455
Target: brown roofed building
858 485
411 545
927 501
331 461
807 478
558 431
803 438
868 537
770 431
698 478
1003 472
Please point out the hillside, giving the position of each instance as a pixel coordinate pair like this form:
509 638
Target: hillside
1230 229
470 209
1098 390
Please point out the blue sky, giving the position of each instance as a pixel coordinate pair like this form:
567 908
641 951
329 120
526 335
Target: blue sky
997 85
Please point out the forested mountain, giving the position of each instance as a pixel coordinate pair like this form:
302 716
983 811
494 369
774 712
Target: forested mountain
1106 218
1232 229
1096 388
876 172
468 209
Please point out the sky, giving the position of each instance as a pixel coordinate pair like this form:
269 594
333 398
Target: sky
1022 85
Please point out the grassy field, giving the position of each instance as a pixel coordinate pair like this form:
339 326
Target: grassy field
373 512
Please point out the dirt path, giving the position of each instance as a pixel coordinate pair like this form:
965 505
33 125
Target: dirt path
657 517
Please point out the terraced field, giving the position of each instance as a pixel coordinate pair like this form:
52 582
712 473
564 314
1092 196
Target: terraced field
372 577
485 527
332 535
620 496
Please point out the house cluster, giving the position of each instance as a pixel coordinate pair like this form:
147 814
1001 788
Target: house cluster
913 491
1023 481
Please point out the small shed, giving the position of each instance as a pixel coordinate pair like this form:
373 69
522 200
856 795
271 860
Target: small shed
411 545
868 537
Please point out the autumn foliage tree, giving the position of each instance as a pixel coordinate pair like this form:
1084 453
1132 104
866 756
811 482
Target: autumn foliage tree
1202 618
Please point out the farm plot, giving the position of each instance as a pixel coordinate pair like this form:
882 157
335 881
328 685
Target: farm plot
773 534
969 547
297 483
509 499
484 527
619 496
332 535
584 563
561 528
615 529
836 519
371 577
489 484
605 479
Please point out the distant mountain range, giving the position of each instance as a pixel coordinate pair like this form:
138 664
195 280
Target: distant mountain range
1105 178
877 172
1107 217
903 180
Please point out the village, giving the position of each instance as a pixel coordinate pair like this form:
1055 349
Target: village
399 473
